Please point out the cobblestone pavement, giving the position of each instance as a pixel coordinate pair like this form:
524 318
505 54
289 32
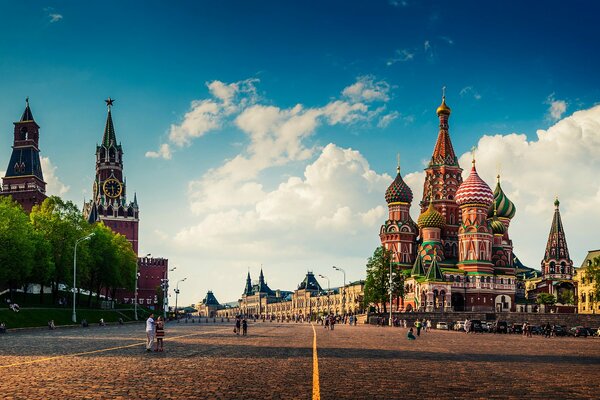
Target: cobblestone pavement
275 362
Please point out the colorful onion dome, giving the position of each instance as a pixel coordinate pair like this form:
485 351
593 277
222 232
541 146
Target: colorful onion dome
474 191
398 192
431 218
504 207
443 108
498 227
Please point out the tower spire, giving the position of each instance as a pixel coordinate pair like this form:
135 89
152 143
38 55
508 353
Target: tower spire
443 153
27 116
109 138
557 252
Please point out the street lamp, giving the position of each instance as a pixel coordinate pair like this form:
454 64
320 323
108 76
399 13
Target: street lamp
74 318
176 293
343 289
166 293
328 290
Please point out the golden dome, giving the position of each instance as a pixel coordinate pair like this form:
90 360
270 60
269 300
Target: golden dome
443 108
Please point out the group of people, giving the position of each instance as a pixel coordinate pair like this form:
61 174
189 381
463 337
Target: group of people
155 330
241 324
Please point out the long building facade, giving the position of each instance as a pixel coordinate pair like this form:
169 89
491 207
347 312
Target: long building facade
308 302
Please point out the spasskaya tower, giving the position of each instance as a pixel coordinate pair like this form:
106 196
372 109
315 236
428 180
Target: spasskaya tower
109 199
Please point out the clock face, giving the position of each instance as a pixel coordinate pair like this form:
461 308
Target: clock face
112 188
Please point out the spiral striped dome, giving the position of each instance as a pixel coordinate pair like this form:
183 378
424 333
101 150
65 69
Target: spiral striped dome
474 191
504 207
431 218
398 191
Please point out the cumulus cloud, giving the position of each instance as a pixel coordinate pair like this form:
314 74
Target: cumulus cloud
556 108
54 186
562 161
276 137
164 151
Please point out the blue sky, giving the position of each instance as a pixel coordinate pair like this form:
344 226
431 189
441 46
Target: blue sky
509 67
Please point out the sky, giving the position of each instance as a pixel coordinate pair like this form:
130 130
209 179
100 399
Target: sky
264 133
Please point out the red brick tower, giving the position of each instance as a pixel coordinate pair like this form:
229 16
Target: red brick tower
109 201
24 180
443 177
398 234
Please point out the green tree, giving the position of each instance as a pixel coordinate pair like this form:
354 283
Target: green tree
592 273
61 223
43 265
377 281
103 269
16 242
566 297
546 299
126 261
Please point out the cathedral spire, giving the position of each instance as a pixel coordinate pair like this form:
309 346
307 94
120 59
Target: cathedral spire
248 288
109 138
443 153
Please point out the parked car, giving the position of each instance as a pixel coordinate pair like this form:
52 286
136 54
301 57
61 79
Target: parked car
459 326
537 330
516 328
487 326
590 331
442 325
500 327
560 330
579 331
476 326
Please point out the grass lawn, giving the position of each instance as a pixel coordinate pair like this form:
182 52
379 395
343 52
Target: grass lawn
34 314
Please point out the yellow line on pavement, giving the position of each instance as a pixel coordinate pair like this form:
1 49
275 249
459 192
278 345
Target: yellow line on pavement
39 360
316 392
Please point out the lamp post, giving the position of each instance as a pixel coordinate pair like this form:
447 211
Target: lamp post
166 292
177 293
343 289
328 290
74 318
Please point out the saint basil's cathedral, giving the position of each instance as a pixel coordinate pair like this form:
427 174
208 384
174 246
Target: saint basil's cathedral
458 256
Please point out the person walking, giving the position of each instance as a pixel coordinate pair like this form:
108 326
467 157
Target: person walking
160 333
418 326
238 324
244 327
150 332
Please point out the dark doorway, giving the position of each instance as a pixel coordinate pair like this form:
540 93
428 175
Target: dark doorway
458 302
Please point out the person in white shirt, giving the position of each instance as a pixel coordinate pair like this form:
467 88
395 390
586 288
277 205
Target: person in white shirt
150 332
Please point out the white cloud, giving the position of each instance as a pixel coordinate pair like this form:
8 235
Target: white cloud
164 151
387 119
557 108
470 91
209 114
447 40
52 15
562 161
368 90
401 56
426 46
277 137
54 187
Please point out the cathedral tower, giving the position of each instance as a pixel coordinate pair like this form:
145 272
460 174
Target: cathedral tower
475 237
398 234
24 180
443 177
109 200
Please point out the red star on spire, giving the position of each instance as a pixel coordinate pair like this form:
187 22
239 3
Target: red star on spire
109 102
